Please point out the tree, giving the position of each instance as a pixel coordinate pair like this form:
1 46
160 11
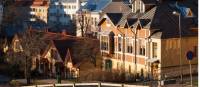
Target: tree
88 48
83 20
32 43
7 2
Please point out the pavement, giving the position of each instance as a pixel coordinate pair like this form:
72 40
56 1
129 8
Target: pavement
4 82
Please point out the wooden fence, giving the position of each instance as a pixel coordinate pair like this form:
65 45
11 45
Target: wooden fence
87 85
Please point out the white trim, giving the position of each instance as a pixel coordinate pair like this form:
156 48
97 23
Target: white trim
140 5
83 84
105 51
143 8
129 54
135 6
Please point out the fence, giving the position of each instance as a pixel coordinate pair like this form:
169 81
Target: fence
86 85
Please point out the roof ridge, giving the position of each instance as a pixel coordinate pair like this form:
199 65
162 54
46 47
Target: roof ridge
68 56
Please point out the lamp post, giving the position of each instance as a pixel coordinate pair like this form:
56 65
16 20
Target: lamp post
149 50
179 27
135 52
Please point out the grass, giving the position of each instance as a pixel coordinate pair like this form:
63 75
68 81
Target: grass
195 83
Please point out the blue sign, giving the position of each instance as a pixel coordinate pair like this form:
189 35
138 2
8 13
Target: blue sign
189 55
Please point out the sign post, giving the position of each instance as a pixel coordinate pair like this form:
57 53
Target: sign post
190 57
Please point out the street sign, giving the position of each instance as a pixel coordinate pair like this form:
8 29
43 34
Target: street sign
189 55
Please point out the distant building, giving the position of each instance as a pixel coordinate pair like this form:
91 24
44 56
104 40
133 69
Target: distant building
94 10
55 56
61 12
145 40
91 10
1 12
39 11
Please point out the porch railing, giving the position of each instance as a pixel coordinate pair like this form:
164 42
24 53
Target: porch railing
86 85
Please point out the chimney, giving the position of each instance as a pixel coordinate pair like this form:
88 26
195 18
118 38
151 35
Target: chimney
46 30
64 32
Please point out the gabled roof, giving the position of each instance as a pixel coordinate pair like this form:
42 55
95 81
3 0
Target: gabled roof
68 57
161 18
45 51
167 22
130 21
144 22
117 7
62 46
114 17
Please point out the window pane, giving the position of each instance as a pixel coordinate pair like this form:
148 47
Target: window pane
129 48
154 50
119 44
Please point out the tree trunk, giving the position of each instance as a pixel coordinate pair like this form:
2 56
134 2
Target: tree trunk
27 72
82 26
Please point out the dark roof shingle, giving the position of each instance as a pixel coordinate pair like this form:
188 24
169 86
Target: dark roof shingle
115 17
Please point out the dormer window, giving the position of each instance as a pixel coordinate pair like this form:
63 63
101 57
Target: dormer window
138 6
134 6
142 8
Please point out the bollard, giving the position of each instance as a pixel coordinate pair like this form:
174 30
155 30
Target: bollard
122 85
73 85
99 84
54 85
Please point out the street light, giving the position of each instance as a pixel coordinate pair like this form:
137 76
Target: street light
179 24
149 49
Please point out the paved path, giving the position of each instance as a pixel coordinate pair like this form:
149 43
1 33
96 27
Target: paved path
4 80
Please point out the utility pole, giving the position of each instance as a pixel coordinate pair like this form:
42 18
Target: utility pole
135 38
180 40
124 60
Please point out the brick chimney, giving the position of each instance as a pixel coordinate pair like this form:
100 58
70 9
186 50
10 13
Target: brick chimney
46 30
64 32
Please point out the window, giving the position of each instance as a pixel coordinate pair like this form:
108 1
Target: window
95 21
134 6
141 7
119 57
129 69
108 65
33 9
119 44
154 50
104 42
118 66
129 47
65 7
65 15
73 7
142 50
92 21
